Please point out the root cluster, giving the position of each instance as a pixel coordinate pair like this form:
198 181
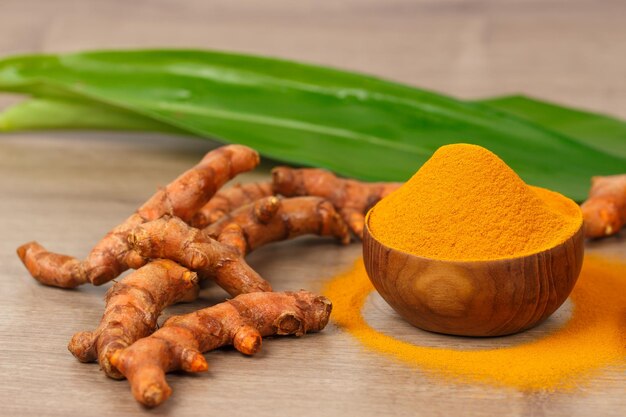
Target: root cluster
191 231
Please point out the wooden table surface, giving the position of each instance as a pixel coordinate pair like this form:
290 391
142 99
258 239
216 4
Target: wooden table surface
67 189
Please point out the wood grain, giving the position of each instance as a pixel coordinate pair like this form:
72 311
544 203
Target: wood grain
474 298
67 189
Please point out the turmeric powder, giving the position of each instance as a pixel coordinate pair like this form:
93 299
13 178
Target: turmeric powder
465 203
593 338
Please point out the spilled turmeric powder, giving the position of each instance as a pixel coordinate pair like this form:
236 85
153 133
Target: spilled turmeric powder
465 203
592 339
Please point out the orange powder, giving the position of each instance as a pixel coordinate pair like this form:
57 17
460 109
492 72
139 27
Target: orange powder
465 203
593 338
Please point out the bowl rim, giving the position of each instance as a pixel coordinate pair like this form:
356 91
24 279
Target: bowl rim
578 231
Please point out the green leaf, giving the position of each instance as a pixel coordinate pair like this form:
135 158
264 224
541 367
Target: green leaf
596 130
354 124
49 113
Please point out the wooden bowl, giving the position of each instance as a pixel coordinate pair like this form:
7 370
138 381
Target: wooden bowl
474 298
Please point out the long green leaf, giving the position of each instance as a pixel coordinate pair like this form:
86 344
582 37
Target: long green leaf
49 113
351 123
596 130
44 113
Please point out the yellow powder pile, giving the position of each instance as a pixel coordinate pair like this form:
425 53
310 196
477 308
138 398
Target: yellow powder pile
465 203
592 339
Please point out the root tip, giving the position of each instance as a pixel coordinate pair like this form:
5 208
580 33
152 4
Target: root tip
199 364
81 346
154 395
248 340
22 251
193 361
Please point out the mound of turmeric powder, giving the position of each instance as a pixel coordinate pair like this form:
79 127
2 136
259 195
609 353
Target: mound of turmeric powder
465 203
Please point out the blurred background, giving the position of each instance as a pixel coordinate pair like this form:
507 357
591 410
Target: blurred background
570 51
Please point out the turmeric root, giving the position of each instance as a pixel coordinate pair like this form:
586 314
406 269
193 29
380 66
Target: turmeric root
272 219
227 200
351 198
171 238
157 237
605 210
242 322
110 257
217 251
132 308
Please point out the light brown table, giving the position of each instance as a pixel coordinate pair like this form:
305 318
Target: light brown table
67 189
